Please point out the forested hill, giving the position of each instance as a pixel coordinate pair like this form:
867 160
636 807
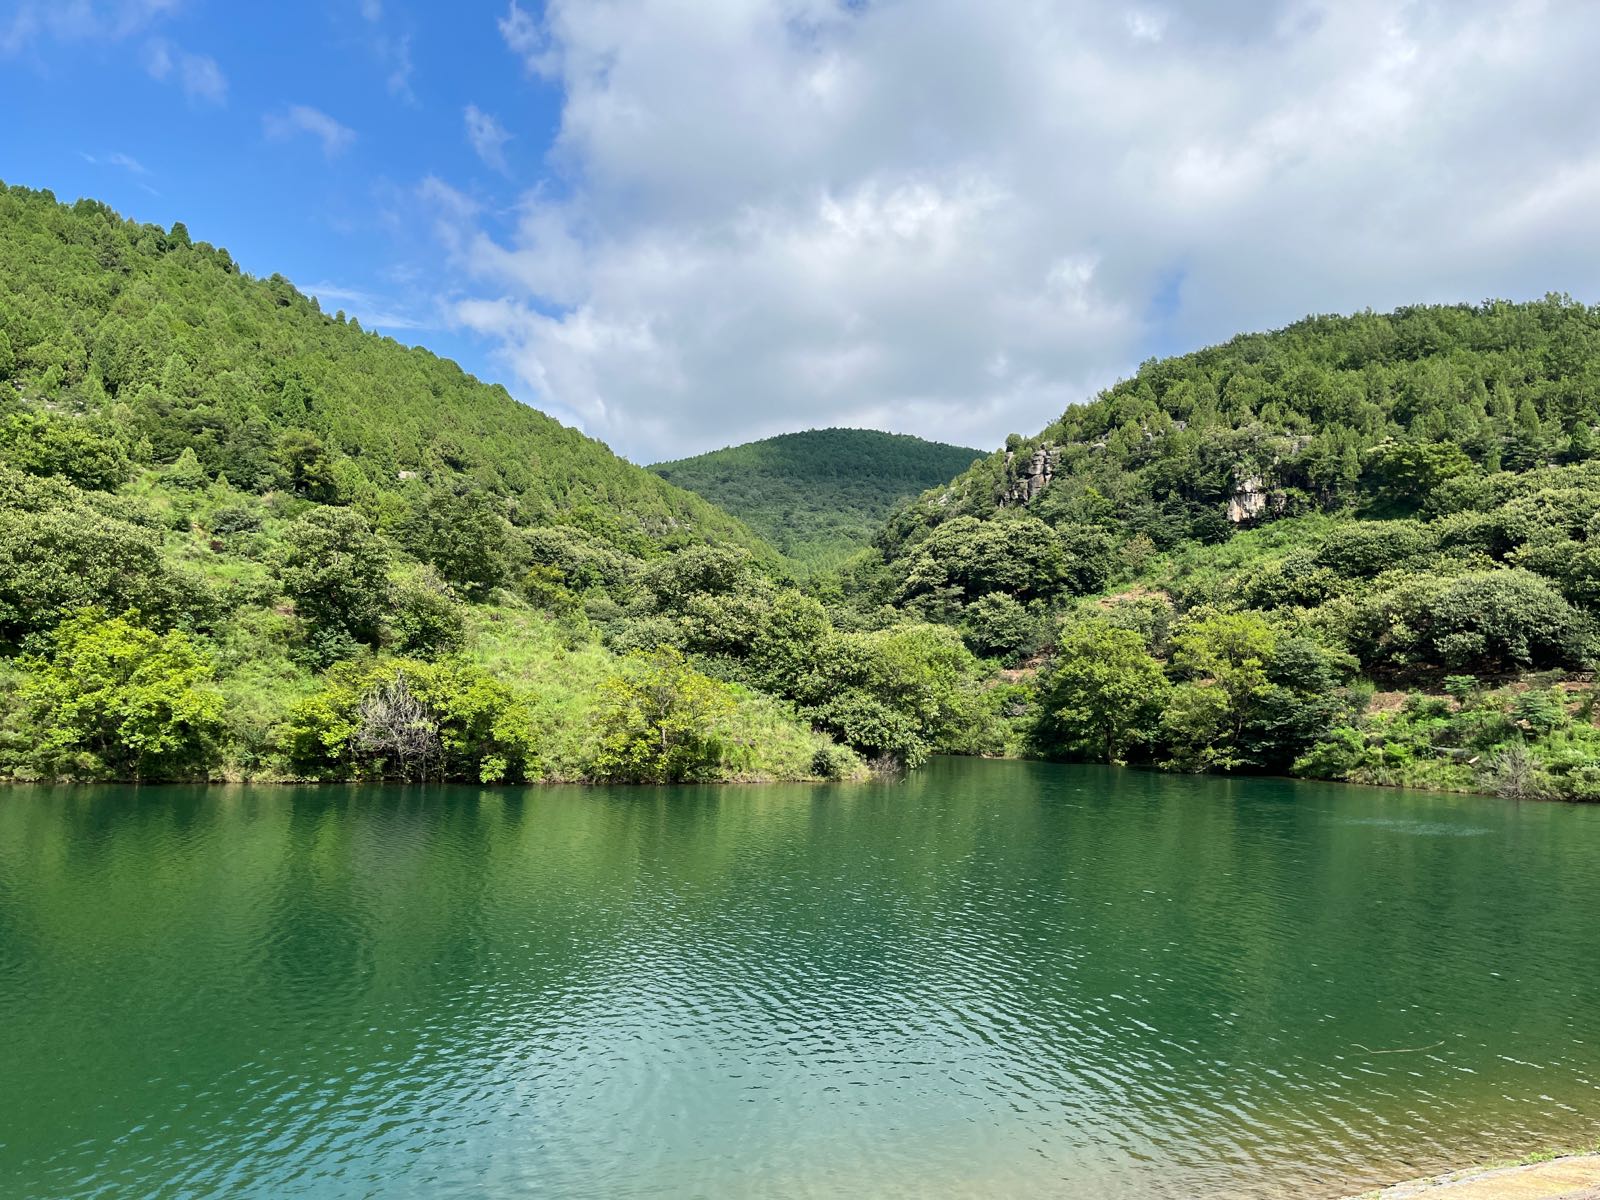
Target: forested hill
241 538
1372 412
1215 563
133 326
819 495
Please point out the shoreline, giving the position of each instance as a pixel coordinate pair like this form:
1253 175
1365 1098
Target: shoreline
766 781
1565 1176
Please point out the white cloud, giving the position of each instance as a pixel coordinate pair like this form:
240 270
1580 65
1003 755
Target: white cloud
522 34
117 159
395 53
301 118
488 138
35 21
373 311
1146 26
197 74
955 219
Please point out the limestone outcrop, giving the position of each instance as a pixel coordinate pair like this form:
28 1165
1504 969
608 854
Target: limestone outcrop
1031 475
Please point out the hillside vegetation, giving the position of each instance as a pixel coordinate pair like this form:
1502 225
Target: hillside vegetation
240 537
821 495
1362 548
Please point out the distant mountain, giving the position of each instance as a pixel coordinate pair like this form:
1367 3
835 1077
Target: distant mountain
819 495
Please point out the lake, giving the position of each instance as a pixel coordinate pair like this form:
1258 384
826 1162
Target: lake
995 978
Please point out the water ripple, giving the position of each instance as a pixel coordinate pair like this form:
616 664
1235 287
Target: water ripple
997 978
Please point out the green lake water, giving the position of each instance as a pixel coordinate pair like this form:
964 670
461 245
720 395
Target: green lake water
992 979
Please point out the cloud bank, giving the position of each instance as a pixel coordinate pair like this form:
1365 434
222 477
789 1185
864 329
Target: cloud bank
955 219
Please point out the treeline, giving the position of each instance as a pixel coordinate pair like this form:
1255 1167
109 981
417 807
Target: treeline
240 538
161 338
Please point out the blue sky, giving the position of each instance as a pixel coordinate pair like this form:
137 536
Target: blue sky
681 225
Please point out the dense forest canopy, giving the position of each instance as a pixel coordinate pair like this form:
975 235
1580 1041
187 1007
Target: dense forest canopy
820 495
1329 413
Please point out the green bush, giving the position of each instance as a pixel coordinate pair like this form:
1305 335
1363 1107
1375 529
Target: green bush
107 698
1481 620
71 554
657 722
475 727
70 449
426 619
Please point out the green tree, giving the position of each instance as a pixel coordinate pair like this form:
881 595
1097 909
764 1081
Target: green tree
336 570
658 722
791 636
187 473
1103 695
110 699
1225 657
463 534
998 626
900 693
1021 556
1408 471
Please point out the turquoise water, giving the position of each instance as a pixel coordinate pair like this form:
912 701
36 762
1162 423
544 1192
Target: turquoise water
993 979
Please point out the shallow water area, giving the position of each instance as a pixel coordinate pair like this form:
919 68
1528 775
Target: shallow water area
994 978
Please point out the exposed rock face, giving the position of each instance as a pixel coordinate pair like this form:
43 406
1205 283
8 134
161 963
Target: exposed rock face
1033 475
1251 499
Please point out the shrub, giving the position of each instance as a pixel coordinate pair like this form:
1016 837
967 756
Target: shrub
66 448
233 519
658 722
1517 774
426 618
358 722
1480 620
110 699
74 556
1366 548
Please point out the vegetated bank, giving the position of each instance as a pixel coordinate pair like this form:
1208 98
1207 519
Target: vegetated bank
1363 548
242 538
820 495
